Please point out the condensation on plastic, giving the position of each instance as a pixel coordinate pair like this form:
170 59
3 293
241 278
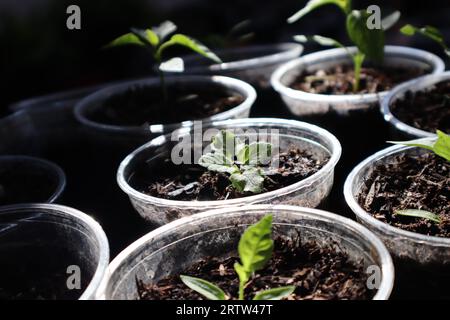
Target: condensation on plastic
37 225
309 192
404 245
399 128
253 64
302 103
31 164
172 248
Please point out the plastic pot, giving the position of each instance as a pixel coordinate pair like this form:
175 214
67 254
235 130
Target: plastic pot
302 103
398 127
252 64
26 179
162 252
310 192
422 261
117 141
46 249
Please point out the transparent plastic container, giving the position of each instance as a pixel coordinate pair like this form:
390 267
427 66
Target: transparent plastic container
405 245
39 243
309 192
252 64
30 168
162 252
88 105
399 128
302 103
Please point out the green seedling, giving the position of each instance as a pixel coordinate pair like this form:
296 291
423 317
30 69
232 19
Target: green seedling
157 40
369 42
439 146
429 32
241 161
255 250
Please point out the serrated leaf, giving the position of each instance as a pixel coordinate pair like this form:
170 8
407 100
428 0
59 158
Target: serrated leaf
126 39
314 4
419 214
218 162
440 146
369 41
226 142
205 288
164 29
251 180
190 43
275 294
172 65
390 20
259 153
255 248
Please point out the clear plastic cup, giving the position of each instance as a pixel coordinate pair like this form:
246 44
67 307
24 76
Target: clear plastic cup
172 248
27 168
302 103
401 243
44 247
309 192
399 128
252 64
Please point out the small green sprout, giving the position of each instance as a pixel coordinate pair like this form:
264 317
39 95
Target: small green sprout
439 146
419 214
231 155
157 40
429 32
255 250
369 42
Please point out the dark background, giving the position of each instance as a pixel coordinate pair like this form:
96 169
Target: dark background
40 55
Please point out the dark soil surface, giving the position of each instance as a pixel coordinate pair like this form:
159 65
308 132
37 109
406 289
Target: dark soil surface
18 186
141 105
196 183
339 80
412 182
317 273
425 110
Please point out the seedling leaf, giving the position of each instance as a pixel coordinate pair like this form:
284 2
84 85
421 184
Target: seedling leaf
370 42
312 5
275 294
256 245
126 39
205 288
190 43
429 32
226 142
440 146
218 162
419 214
251 180
147 36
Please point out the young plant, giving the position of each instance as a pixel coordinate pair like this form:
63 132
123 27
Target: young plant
255 249
231 155
157 41
429 32
440 147
369 42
